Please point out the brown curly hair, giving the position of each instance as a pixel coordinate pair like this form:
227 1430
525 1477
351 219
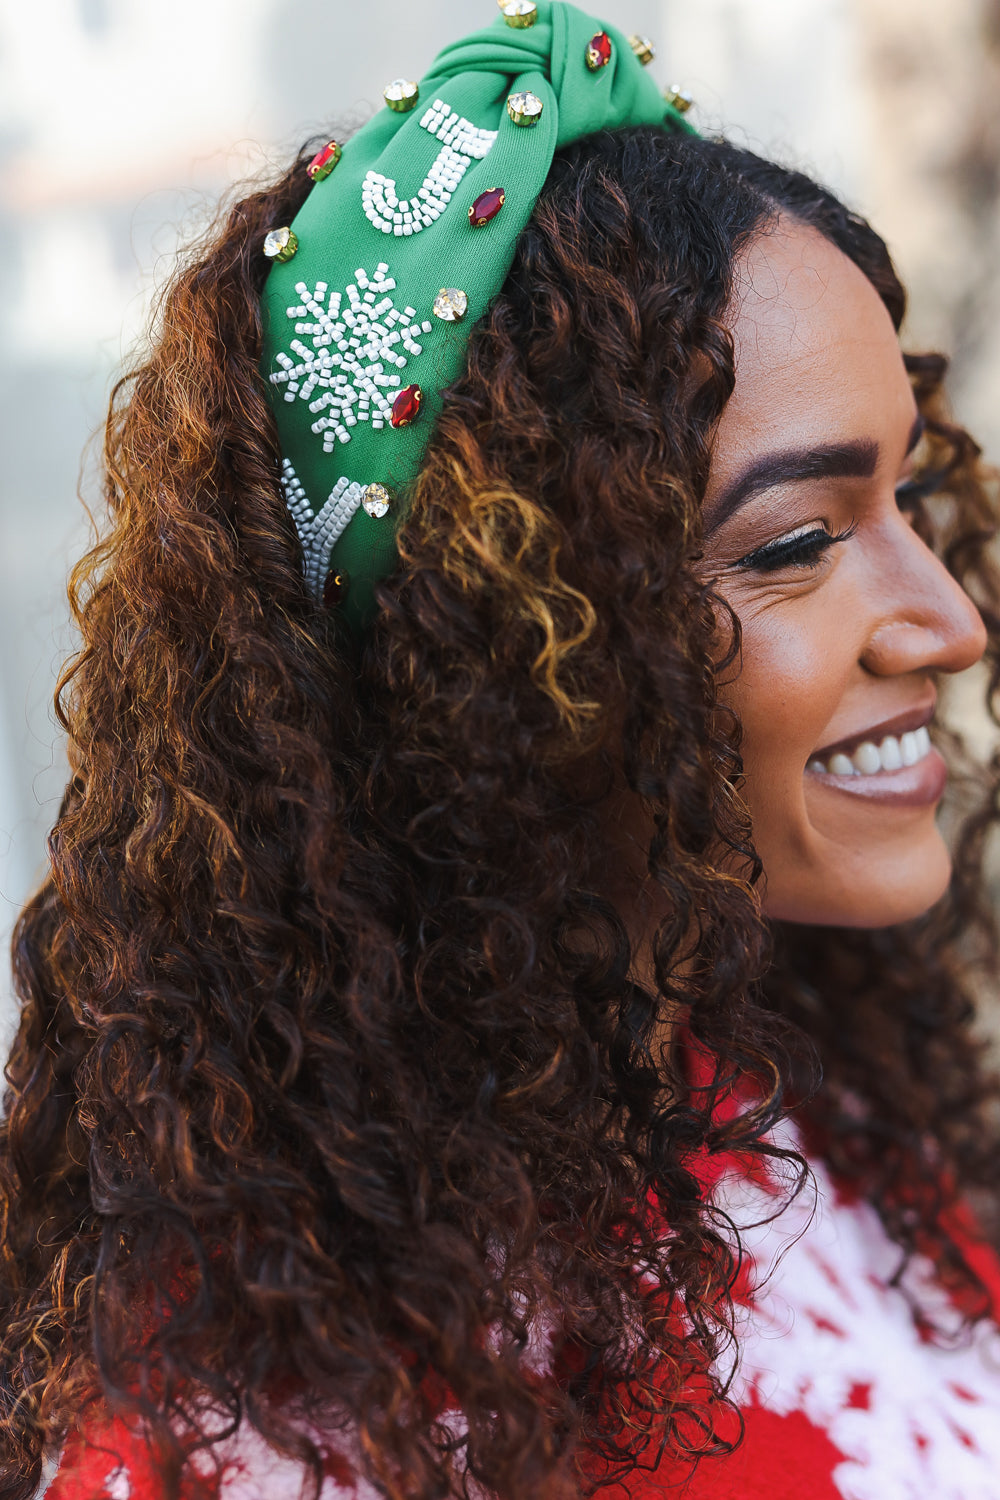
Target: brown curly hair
334 1077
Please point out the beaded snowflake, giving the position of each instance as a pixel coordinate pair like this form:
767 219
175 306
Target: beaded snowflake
358 339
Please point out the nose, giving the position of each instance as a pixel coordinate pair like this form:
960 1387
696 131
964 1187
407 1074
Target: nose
923 619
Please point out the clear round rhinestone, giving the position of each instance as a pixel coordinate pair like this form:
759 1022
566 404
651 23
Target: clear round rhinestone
401 94
519 13
450 305
376 501
280 244
643 49
678 99
524 108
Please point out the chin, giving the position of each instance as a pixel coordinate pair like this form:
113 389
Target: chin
863 892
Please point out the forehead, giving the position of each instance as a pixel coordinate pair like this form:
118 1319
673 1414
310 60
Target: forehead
817 357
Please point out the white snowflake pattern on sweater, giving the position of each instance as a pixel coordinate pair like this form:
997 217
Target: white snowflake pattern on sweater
828 1336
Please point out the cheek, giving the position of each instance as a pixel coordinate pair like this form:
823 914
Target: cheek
790 682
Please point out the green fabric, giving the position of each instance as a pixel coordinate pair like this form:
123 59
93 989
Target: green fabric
474 77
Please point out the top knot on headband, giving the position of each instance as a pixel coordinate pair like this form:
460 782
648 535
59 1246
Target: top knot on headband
401 245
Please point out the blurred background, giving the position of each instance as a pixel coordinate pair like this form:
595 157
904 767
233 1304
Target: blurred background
121 121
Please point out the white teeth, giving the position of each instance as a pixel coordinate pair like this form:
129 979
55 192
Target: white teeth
890 754
868 759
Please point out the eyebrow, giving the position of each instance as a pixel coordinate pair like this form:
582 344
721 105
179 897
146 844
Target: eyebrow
855 460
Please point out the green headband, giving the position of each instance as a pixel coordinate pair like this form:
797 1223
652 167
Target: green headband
401 245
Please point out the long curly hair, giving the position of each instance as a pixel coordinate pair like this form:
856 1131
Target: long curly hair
335 1079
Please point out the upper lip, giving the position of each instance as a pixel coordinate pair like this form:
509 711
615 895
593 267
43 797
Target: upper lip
902 723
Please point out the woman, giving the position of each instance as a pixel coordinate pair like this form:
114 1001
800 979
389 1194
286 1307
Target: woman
423 979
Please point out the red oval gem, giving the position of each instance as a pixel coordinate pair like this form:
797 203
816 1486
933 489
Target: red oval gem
598 51
324 161
486 207
406 406
335 588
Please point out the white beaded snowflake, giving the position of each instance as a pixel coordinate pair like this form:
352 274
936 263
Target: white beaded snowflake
357 339
461 144
319 533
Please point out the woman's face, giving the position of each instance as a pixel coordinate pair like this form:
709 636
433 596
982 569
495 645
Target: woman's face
847 617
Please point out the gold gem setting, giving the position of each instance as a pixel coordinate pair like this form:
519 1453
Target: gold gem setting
450 305
598 53
376 501
678 99
324 161
519 13
486 207
643 48
401 94
524 108
281 244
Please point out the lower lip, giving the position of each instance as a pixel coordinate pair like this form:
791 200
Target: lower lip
921 785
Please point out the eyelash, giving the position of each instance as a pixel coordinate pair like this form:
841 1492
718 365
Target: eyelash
797 551
806 548
910 493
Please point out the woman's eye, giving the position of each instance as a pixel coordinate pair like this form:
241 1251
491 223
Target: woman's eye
910 493
799 549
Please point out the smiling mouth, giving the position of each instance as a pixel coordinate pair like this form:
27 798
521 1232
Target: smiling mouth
871 757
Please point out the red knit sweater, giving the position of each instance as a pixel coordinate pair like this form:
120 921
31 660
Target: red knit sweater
842 1397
